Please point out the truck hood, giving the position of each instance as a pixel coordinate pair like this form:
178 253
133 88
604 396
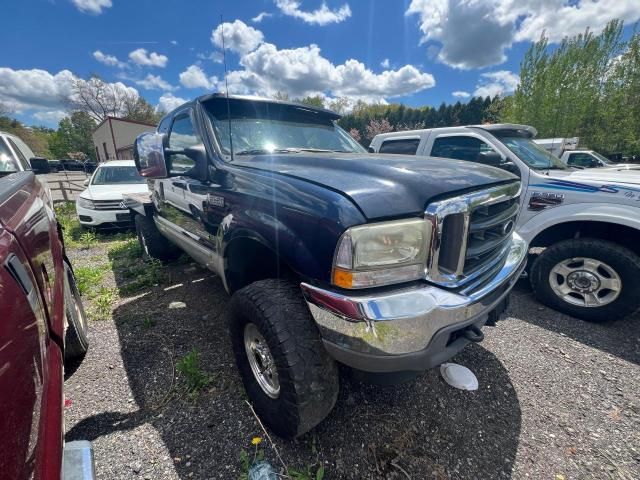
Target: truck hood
599 175
112 192
381 185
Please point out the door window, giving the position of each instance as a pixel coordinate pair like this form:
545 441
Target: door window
183 135
581 160
407 146
460 148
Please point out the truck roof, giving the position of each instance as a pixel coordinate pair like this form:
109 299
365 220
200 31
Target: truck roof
251 98
525 130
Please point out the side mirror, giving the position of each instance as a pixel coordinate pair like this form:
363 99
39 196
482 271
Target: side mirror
371 150
39 165
511 167
196 153
148 154
86 182
493 159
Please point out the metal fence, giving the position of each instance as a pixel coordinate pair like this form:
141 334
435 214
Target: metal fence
66 186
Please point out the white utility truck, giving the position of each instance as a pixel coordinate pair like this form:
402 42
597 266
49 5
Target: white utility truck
585 223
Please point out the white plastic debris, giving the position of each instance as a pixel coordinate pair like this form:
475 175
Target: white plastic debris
458 376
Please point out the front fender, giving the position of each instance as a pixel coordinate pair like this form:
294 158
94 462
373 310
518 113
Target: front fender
619 214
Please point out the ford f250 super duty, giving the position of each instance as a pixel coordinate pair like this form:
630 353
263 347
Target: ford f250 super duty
386 264
582 225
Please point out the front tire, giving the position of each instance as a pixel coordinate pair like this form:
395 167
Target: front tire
591 279
76 339
152 242
289 377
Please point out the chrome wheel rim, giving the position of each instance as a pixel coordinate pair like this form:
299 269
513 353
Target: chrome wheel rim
261 361
585 282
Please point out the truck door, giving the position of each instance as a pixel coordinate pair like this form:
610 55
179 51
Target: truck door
183 205
24 343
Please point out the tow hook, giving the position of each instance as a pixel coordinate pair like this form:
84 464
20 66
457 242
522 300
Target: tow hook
473 334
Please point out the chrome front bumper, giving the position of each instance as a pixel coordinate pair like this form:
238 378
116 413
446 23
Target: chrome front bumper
413 322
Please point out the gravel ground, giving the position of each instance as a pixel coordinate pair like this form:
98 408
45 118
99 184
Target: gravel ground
558 398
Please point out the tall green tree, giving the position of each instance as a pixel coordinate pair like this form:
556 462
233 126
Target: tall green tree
586 87
73 136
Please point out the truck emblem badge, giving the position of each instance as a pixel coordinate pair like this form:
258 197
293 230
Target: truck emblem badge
541 200
215 201
123 205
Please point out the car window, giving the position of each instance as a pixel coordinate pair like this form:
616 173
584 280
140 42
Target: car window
407 146
183 135
21 158
460 148
580 160
24 148
8 163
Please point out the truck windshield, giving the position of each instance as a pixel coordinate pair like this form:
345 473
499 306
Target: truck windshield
532 154
117 175
8 163
262 128
603 159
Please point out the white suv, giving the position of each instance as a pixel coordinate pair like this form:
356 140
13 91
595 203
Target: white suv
101 204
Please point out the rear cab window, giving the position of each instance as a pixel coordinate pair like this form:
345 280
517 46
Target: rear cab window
460 148
404 146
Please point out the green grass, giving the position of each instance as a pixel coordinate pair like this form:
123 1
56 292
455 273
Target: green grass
189 368
89 278
102 303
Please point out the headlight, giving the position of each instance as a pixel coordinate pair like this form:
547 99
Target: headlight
381 254
86 203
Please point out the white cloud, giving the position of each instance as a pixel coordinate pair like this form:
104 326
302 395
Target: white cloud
502 82
50 117
238 36
173 42
168 102
155 82
40 93
215 57
477 33
385 63
461 94
92 6
261 16
110 60
304 71
141 57
322 16
194 77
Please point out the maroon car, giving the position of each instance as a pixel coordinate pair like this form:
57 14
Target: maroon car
42 324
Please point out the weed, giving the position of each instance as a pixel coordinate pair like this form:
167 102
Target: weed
89 277
147 274
125 249
102 303
309 473
88 239
196 378
148 322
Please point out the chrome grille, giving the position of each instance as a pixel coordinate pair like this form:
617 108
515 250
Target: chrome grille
108 205
471 233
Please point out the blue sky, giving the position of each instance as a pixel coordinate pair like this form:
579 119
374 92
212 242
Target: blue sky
419 52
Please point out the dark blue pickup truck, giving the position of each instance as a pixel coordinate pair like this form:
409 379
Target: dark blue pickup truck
388 264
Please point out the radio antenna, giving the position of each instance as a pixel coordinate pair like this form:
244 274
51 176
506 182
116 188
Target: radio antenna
226 86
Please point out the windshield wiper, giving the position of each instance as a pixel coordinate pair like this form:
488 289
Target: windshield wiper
264 151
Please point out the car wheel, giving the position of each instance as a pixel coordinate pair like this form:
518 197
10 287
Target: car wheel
289 377
591 279
76 340
152 242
